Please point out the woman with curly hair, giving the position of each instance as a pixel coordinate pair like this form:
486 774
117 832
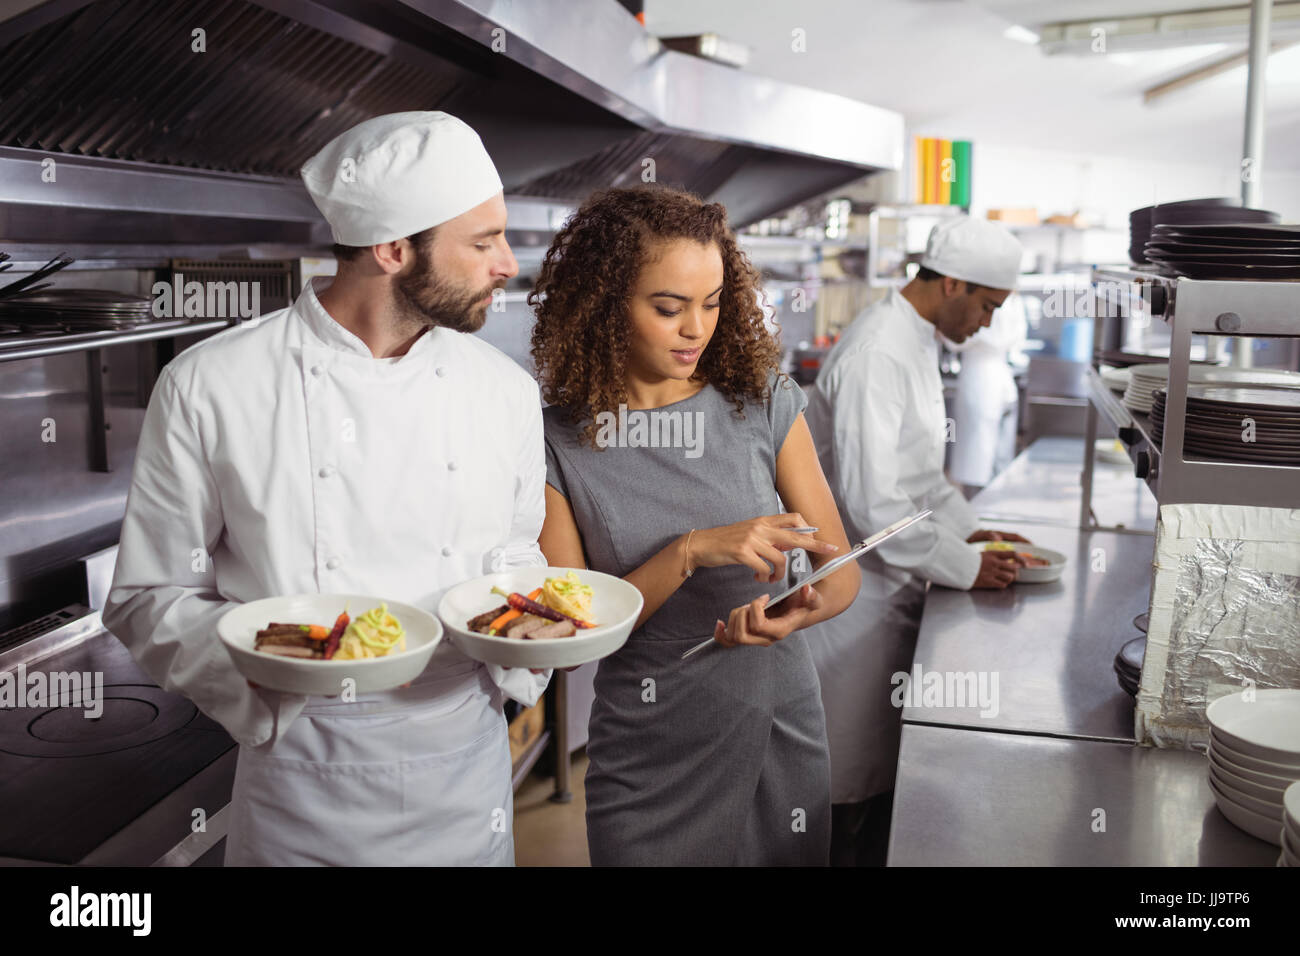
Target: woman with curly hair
678 459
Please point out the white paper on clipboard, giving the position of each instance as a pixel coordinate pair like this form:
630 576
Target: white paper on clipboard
830 567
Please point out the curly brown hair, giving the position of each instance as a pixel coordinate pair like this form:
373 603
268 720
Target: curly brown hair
580 340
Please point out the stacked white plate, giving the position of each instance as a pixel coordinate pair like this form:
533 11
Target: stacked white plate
1254 757
1290 827
1116 379
1144 380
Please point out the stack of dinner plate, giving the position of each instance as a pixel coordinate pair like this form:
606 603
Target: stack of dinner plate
76 309
1128 665
1250 425
1254 759
1142 221
1290 827
1259 250
1144 380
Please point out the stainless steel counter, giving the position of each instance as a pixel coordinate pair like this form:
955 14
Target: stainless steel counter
1048 646
971 798
1022 786
1044 485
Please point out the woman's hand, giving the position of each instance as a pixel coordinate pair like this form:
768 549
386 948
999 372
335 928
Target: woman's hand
756 543
753 624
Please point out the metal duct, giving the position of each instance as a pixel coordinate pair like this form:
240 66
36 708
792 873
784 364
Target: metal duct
174 141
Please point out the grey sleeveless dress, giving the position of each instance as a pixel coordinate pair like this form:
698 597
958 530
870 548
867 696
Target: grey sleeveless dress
720 759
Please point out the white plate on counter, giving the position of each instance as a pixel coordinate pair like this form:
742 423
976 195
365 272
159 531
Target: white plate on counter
615 605
1290 852
1043 575
1229 761
1266 727
1262 785
1256 824
1265 807
1240 759
1291 811
238 629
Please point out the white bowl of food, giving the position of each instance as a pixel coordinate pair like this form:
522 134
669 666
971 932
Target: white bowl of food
576 616
1265 725
1037 565
381 645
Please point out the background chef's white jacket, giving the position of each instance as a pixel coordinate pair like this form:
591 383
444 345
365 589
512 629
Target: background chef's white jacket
281 457
987 399
876 414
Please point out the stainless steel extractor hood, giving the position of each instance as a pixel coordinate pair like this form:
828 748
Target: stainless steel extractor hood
161 134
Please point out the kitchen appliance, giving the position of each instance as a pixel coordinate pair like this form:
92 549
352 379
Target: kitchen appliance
98 765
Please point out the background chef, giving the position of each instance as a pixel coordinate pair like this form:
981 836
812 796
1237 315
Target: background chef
987 402
356 442
876 414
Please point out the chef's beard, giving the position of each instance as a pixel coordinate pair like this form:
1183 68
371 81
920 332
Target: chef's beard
425 299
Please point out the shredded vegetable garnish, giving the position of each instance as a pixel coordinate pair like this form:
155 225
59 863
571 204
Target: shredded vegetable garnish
373 634
569 596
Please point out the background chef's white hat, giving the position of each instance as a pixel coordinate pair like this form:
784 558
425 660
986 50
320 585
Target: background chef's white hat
974 250
395 175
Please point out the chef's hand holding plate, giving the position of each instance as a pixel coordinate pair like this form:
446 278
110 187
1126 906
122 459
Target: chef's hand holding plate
997 569
753 623
756 543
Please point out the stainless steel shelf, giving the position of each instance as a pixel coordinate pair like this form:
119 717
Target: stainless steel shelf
1194 307
16 349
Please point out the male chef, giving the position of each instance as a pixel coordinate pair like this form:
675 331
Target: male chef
358 442
876 414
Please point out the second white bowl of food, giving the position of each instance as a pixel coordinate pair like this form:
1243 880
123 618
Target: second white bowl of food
1035 574
238 629
614 606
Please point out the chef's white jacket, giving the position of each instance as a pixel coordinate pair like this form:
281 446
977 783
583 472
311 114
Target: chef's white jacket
281 457
877 416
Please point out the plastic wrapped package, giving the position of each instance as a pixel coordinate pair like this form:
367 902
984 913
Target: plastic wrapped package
1225 615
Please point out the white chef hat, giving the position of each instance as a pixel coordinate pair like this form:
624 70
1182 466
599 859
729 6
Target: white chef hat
974 250
395 175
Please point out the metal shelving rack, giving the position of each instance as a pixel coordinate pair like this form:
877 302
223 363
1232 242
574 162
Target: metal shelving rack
1191 307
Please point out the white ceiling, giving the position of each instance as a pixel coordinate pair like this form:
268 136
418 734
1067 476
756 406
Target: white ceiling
946 66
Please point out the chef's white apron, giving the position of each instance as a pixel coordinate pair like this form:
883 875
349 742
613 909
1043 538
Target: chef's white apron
432 798
857 653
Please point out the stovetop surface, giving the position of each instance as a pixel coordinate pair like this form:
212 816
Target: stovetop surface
69 782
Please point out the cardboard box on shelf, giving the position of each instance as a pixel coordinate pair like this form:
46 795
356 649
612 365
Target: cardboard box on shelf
1015 216
1076 220
526 728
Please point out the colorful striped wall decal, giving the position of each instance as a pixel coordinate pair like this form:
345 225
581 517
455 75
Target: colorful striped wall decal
943 171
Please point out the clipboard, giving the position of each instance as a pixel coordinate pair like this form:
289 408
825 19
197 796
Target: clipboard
830 567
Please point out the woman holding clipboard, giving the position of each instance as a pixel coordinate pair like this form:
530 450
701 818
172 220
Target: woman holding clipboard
678 459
